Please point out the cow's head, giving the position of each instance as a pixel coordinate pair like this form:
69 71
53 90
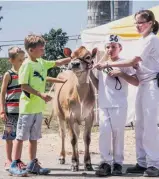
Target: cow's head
82 59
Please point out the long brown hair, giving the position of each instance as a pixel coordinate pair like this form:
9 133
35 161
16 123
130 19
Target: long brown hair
149 16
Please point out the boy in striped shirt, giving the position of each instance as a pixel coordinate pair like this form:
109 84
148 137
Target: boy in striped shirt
10 95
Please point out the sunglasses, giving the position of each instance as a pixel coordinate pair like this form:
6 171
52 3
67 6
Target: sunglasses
139 23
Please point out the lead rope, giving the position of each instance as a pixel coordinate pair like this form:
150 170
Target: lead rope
117 79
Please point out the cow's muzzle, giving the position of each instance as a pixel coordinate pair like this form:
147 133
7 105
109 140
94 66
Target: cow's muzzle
74 65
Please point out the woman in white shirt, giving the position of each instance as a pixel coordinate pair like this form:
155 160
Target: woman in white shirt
147 100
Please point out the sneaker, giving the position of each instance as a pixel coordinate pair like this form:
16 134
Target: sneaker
7 165
22 165
103 170
117 170
35 168
151 172
16 170
136 169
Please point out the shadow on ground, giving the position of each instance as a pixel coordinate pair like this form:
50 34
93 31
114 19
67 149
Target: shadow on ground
65 172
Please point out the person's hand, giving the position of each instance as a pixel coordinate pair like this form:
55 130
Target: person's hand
3 116
99 66
115 73
136 66
135 61
63 79
45 97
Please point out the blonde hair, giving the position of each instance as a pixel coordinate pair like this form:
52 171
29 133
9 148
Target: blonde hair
32 41
14 51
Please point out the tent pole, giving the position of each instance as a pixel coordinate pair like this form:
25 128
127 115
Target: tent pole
112 10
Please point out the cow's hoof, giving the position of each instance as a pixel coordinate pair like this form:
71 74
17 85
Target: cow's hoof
74 168
62 161
88 167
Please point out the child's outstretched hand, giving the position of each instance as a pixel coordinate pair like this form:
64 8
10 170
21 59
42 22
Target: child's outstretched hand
3 116
63 80
45 97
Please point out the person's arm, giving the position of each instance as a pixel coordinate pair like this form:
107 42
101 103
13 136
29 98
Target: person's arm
123 63
133 80
140 56
52 63
5 82
29 89
55 80
63 61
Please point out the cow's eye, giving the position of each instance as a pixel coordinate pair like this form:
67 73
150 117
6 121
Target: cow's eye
88 58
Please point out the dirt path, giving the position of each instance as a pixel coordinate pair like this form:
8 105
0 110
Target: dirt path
48 151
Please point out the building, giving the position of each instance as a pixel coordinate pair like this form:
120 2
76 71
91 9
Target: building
102 12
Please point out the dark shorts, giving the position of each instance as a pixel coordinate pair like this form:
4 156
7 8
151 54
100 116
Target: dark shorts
10 127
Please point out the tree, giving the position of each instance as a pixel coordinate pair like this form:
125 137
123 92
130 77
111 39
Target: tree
56 41
3 67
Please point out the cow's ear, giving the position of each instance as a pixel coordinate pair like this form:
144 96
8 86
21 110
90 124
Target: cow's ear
67 52
94 52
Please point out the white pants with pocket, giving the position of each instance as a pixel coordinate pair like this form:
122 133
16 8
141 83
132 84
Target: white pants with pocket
146 129
111 138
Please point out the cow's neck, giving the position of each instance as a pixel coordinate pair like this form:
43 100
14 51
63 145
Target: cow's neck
82 84
82 78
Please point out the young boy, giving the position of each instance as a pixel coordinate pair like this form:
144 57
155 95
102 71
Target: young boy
9 100
112 99
32 78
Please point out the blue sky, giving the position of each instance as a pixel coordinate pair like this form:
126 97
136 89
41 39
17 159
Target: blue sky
22 18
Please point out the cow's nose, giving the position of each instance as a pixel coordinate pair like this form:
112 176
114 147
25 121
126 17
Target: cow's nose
75 64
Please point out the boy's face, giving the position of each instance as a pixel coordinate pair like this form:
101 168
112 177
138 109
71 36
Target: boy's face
113 49
38 51
18 60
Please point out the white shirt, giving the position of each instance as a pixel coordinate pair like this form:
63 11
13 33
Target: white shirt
108 96
149 53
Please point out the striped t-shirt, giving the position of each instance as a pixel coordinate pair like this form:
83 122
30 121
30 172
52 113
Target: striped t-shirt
13 94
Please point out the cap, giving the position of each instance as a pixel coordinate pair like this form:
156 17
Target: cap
112 38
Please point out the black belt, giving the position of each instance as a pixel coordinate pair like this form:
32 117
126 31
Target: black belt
117 79
157 78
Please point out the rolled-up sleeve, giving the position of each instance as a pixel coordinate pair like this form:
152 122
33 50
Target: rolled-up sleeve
24 73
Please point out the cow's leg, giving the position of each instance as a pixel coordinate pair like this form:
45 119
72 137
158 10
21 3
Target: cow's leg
62 129
74 134
87 140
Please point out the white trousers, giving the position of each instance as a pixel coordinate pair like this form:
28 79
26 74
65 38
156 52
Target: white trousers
147 132
111 137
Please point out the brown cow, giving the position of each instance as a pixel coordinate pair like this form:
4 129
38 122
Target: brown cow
74 102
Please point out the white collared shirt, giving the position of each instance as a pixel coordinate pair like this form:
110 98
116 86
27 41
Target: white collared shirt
148 51
108 96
